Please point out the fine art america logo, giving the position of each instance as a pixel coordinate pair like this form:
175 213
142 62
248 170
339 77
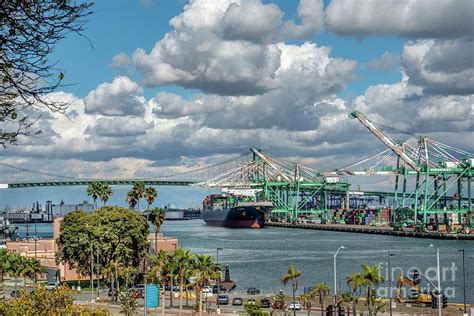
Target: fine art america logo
426 280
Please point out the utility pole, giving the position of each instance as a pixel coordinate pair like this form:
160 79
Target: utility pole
219 281
92 273
36 238
335 276
98 275
390 255
464 280
145 266
440 296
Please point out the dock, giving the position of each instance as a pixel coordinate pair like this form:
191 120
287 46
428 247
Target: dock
377 230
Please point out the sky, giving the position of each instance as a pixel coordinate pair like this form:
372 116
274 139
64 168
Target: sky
164 86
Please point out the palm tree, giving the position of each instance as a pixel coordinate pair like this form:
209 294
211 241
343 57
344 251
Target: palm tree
31 267
189 280
321 289
105 192
4 266
307 301
372 278
355 281
172 273
15 267
158 270
150 196
131 199
94 189
292 276
139 190
183 260
206 269
157 217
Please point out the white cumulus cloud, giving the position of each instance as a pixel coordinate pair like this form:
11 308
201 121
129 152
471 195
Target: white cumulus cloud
406 18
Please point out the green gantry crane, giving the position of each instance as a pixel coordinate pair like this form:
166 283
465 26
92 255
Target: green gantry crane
439 170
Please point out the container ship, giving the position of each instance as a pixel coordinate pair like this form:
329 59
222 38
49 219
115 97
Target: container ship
235 211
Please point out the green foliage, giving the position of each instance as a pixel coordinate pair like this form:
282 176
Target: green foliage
255 309
372 274
3 262
347 297
128 302
56 302
131 198
99 190
307 299
378 303
181 265
32 267
135 194
356 281
157 217
94 190
15 265
74 242
29 32
184 260
118 234
106 192
150 195
370 277
3 270
206 269
159 263
292 275
321 289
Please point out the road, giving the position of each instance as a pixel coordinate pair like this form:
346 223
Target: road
84 297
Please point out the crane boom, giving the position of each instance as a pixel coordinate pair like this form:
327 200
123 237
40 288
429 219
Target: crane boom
271 165
397 149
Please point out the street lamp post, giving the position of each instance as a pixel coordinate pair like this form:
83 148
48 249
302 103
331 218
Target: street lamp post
464 280
219 281
98 275
440 295
92 273
335 274
390 255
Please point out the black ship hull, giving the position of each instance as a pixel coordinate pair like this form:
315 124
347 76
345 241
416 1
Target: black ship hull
236 217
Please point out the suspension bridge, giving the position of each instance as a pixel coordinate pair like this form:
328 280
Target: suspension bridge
430 178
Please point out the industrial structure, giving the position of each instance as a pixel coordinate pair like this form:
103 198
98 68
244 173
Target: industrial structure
439 170
433 183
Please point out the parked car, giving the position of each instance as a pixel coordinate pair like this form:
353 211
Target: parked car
140 287
168 288
207 290
51 286
265 302
237 301
278 305
138 291
251 301
295 305
253 291
218 289
223 299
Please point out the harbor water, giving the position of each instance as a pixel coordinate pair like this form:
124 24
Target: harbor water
258 257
